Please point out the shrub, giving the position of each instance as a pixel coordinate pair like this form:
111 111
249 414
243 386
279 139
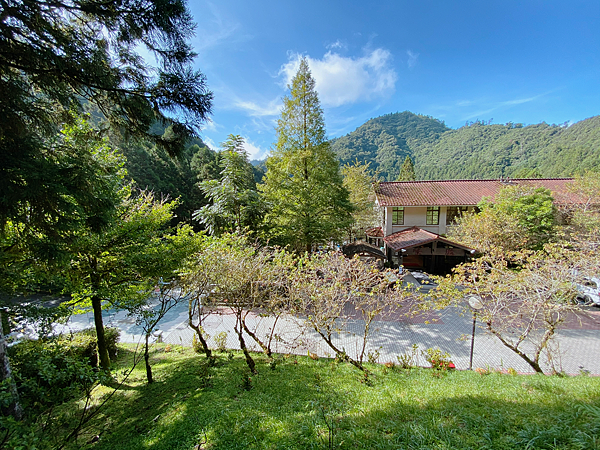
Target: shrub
221 341
47 375
438 360
81 345
111 337
409 358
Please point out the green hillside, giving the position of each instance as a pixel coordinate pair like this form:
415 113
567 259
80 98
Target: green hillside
386 141
476 150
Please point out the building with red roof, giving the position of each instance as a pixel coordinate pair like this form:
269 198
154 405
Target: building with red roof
414 215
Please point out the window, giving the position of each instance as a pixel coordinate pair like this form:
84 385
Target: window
398 215
433 215
453 212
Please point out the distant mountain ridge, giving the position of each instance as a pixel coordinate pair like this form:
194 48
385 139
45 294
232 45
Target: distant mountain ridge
476 150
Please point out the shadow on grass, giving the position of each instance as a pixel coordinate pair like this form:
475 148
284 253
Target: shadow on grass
288 407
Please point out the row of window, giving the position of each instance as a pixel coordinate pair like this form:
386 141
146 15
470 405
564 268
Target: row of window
433 214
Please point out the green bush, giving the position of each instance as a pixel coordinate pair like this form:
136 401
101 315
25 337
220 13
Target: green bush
82 345
111 337
51 372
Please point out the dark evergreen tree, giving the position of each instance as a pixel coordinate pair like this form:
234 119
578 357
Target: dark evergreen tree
53 55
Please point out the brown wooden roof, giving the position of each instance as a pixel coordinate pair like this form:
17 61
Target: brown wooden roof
415 237
463 192
359 247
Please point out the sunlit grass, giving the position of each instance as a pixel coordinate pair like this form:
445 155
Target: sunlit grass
193 406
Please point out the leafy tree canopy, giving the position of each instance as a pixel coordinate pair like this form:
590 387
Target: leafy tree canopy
518 218
54 54
477 150
359 182
234 202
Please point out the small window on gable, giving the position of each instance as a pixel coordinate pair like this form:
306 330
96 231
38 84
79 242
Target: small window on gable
433 215
398 215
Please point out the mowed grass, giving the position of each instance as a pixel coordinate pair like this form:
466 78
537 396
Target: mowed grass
293 404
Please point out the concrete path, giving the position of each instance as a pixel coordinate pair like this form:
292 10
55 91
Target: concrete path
577 344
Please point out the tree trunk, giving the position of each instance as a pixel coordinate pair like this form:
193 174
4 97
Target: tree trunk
533 363
249 361
14 408
266 349
339 353
272 333
147 361
102 348
196 328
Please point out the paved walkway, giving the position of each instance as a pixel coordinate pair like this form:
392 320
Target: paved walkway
577 343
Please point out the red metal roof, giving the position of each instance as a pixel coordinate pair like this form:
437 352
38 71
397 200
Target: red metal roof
462 192
415 237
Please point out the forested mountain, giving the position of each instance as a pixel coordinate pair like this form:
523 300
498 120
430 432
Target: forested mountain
477 150
153 169
386 141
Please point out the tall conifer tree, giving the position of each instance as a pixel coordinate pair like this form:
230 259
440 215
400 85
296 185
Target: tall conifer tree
303 185
407 171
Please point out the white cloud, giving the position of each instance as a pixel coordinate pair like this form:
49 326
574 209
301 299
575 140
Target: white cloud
502 105
520 101
254 151
211 144
337 44
210 125
344 80
412 58
253 109
215 29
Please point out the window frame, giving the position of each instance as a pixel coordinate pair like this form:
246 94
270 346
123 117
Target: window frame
395 218
433 215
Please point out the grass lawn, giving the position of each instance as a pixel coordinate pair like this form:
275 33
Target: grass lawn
290 406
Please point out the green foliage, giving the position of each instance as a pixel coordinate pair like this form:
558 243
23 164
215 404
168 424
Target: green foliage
220 340
284 408
534 209
358 180
111 337
54 57
440 361
407 171
118 265
477 150
234 202
89 49
518 218
303 186
409 358
49 373
386 141
153 169
585 216
84 185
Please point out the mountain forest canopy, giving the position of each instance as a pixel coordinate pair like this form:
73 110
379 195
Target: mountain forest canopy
475 151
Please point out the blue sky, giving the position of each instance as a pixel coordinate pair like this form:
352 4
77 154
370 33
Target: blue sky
522 61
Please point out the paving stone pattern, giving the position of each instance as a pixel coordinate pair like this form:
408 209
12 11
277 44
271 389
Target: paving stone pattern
577 344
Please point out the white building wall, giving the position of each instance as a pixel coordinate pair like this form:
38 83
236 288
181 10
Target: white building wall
415 216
